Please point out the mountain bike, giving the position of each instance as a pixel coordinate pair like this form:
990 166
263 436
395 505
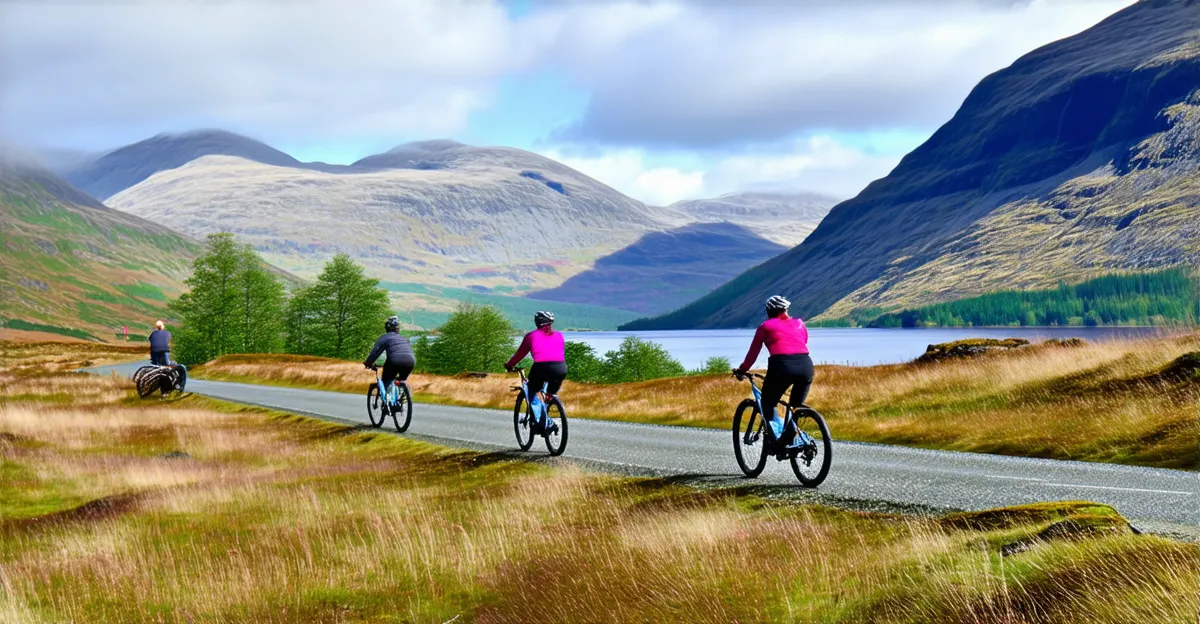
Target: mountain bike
395 401
526 425
805 442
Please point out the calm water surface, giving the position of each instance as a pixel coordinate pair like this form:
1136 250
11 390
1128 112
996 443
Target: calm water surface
860 347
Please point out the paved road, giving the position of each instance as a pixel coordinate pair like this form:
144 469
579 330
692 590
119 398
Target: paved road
865 475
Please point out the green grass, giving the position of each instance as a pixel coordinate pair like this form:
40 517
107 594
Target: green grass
39 327
270 517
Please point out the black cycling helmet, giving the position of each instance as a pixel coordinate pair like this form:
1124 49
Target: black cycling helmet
777 304
392 324
543 318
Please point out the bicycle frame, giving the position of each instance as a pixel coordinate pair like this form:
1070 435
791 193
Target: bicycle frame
525 388
788 417
390 395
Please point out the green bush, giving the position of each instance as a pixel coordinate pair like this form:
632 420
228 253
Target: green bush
714 366
639 360
473 339
583 364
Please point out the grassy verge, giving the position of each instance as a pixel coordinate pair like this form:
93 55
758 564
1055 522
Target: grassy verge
192 510
1111 402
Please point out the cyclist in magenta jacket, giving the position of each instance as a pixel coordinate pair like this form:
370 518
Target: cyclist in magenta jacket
789 365
549 369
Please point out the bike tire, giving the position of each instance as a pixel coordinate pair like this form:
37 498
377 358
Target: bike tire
141 372
376 411
823 449
523 423
402 415
748 423
556 442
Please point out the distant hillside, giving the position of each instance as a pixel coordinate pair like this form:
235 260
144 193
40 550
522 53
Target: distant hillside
73 267
455 215
786 218
115 171
664 270
1079 160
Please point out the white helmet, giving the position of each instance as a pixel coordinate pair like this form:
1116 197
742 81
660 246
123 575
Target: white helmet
777 304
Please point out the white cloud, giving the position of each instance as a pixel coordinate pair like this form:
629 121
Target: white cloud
322 68
627 171
818 164
719 73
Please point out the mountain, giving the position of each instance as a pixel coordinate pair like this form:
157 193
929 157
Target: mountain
786 218
664 270
74 267
115 171
1079 160
435 212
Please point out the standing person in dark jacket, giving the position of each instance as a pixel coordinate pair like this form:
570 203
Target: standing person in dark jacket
400 358
160 345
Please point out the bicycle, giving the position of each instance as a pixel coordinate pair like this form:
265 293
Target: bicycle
527 426
165 379
811 449
398 403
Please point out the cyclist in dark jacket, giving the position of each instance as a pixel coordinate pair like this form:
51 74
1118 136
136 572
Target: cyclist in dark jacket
400 358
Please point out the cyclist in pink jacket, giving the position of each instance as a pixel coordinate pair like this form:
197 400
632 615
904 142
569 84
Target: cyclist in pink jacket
789 365
549 369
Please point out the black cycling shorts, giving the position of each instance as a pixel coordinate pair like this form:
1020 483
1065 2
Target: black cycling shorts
551 374
400 369
787 371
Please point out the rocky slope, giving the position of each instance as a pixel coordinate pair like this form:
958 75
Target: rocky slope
452 214
664 270
786 218
107 174
1080 159
72 266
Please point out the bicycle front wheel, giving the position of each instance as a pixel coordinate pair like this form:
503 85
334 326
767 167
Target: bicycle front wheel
811 462
523 423
749 440
375 406
556 439
402 415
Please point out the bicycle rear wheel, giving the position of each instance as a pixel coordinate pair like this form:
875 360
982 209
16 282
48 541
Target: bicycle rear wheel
376 410
811 462
523 423
556 441
749 439
402 415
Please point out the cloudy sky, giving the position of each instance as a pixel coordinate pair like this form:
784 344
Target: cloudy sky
664 100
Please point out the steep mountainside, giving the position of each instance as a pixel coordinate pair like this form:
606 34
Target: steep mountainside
459 216
664 270
1081 158
106 175
786 218
72 266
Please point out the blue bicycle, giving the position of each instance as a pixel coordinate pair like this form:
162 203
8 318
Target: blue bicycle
805 442
551 424
395 401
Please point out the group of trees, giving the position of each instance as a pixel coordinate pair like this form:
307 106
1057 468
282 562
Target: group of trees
1156 298
481 339
238 304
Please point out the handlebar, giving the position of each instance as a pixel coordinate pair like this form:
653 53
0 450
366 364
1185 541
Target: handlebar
740 376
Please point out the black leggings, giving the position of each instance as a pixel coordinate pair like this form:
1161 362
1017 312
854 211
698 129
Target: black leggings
550 374
399 369
784 371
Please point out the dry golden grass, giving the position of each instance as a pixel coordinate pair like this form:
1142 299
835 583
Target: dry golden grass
1098 402
191 510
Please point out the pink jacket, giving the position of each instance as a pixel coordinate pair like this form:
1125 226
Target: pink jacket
544 347
782 335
